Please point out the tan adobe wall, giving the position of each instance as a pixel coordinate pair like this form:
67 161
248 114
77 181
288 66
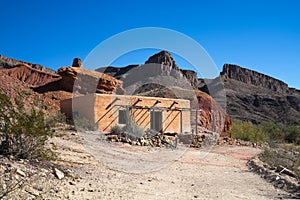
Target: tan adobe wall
104 109
107 110
82 106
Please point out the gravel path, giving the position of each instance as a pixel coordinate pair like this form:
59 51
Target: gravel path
220 174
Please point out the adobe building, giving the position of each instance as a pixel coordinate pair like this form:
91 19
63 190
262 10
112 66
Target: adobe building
161 114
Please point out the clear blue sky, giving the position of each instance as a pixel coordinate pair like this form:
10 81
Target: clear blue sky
260 35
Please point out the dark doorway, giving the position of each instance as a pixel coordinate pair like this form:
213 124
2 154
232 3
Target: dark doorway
123 117
156 120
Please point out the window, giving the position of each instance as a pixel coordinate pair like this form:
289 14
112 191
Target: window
123 116
156 120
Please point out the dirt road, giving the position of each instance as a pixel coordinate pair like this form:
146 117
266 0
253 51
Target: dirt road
221 174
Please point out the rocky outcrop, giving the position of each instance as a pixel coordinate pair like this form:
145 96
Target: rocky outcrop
117 72
31 76
88 81
168 67
164 58
211 115
77 62
83 81
191 76
255 97
254 78
8 63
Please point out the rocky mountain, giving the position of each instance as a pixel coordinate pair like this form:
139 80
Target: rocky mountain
255 97
165 58
254 78
168 67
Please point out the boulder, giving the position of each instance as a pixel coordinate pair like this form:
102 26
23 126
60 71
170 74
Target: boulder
88 81
212 116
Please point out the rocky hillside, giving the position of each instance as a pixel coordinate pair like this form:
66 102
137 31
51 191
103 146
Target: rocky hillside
33 77
254 78
8 63
256 97
44 88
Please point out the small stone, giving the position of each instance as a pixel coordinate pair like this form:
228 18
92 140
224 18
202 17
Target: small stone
72 183
59 174
20 172
32 191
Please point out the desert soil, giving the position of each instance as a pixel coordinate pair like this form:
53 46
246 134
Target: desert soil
99 173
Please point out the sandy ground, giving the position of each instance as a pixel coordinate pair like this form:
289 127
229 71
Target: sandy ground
108 172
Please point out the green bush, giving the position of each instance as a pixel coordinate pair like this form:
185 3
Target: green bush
281 133
248 132
23 134
265 132
116 130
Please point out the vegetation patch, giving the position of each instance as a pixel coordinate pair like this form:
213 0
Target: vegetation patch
283 150
23 134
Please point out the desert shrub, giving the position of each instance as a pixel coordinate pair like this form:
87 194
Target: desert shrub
267 131
54 119
275 132
85 124
116 130
292 134
23 134
282 155
132 129
281 133
248 131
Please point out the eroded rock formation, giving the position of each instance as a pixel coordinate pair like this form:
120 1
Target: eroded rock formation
87 81
7 63
256 97
31 76
254 78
